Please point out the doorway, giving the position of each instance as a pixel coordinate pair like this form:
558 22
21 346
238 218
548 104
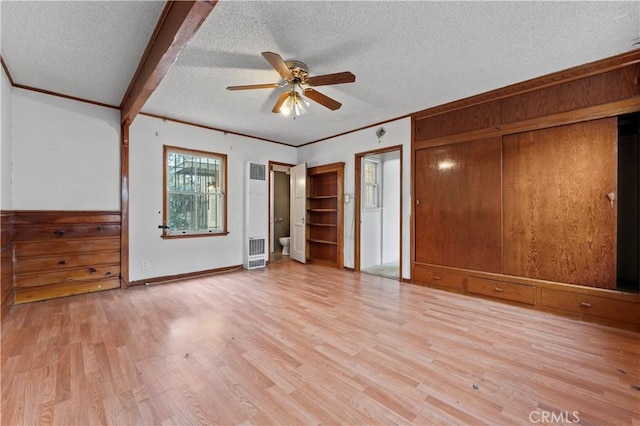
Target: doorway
378 212
279 208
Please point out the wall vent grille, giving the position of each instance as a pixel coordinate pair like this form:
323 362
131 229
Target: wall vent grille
257 171
258 263
256 246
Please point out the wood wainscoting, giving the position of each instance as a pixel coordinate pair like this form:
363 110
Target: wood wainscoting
6 283
516 192
62 253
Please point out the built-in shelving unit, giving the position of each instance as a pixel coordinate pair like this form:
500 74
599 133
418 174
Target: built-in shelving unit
324 214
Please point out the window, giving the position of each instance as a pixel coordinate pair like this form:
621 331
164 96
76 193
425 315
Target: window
371 178
195 190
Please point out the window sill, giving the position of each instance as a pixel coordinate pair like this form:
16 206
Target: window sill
211 234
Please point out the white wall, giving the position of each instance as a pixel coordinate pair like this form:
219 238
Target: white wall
5 142
371 237
344 148
66 157
178 256
66 154
390 210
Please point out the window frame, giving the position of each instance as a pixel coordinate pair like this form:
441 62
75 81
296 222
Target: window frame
376 185
166 232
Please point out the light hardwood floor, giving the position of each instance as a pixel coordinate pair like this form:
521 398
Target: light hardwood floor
297 344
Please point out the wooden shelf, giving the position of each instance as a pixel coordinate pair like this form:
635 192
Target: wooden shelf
322 241
322 197
324 229
318 261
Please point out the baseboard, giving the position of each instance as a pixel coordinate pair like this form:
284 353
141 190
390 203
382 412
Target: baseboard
188 275
346 268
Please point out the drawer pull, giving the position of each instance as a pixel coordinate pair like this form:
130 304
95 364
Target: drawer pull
92 270
98 228
58 233
585 304
498 289
62 262
436 277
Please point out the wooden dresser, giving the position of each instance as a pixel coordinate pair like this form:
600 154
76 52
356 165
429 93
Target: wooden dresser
62 253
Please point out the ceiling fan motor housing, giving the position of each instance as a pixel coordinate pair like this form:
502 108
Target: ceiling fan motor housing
299 69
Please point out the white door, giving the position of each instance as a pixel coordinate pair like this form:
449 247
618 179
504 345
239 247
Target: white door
298 185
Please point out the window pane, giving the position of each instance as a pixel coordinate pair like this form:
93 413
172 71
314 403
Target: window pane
195 212
195 193
369 172
181 211
370 196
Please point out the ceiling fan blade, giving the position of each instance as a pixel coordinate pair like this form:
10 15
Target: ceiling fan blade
323 100
279 102
254 86
278 64
337 78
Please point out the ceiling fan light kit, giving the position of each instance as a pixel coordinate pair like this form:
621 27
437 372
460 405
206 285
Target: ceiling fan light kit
296 76
294 104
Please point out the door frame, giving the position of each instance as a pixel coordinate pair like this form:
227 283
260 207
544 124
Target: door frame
358 201
299 174
270 168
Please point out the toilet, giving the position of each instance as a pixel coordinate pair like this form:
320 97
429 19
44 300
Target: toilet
285 245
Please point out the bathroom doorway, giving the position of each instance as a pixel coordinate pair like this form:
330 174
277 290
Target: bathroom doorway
279 210
378 212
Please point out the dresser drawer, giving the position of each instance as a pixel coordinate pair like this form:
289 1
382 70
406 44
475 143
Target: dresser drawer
67 231
50 248
596 306
65 261
32 294
501 290
440 279
67 276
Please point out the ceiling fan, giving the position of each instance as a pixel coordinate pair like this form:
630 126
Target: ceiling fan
296 76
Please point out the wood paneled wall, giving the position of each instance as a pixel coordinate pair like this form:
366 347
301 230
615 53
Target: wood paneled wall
61 253
6 273
458 191
531 221
586 92
559 224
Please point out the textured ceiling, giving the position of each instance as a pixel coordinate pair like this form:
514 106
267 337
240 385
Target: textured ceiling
86 49
407 56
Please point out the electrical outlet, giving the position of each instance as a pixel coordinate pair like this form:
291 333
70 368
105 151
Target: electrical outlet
145 264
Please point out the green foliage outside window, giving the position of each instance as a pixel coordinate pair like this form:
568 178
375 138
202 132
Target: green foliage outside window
195 192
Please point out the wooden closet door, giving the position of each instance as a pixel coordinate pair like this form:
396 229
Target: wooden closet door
458 200
559 224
